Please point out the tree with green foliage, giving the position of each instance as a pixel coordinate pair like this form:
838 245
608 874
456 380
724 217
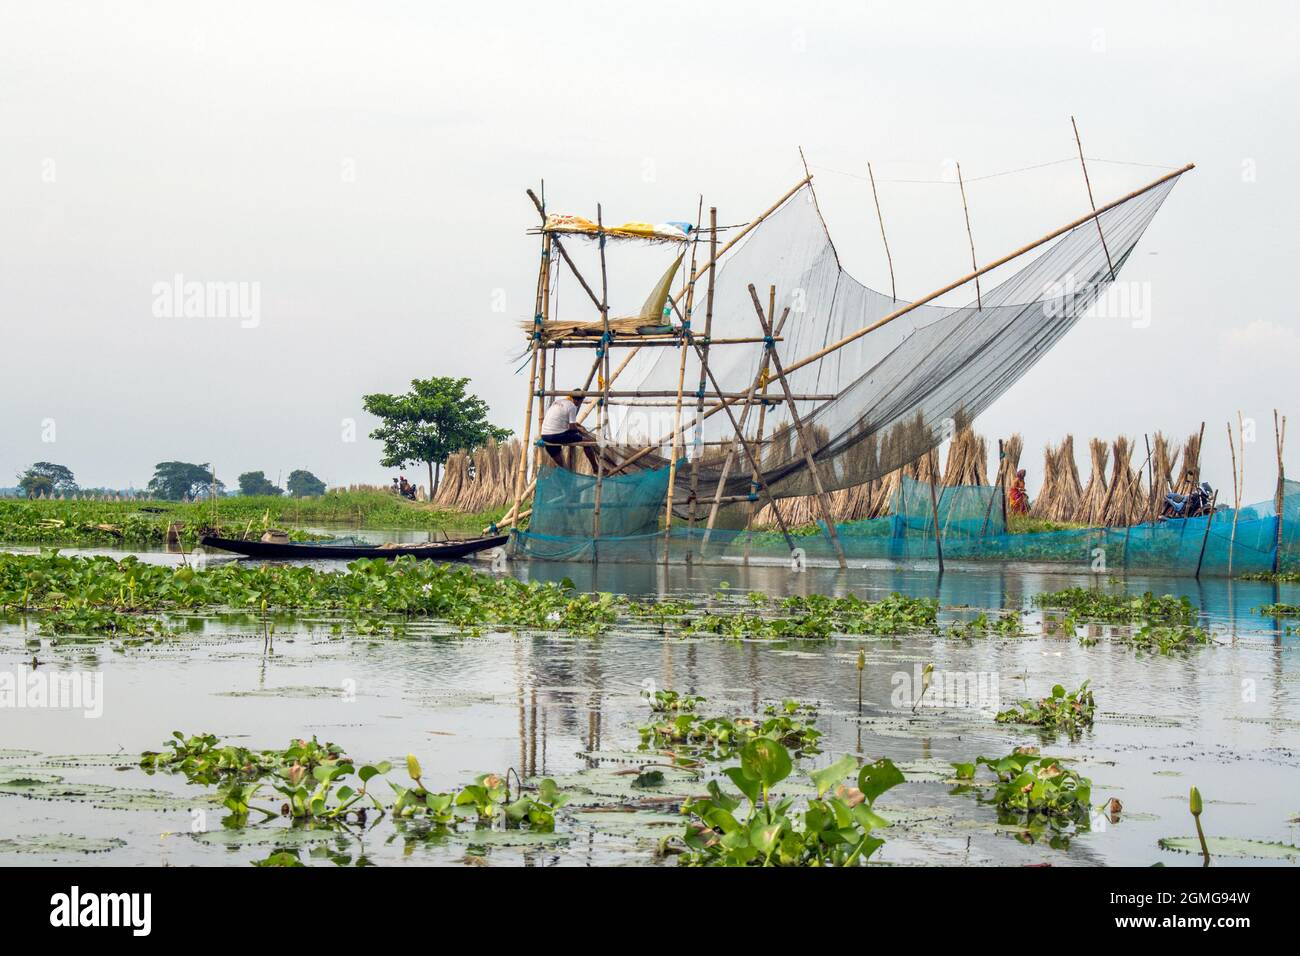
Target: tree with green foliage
303 484
48 478
256 483
429 423
182 480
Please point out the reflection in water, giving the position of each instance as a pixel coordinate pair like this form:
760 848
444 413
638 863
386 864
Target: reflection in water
1222 718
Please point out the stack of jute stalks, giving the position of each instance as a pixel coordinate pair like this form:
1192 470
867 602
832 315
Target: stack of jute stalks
1060 496
967 462
1125 499
1094 495
479 480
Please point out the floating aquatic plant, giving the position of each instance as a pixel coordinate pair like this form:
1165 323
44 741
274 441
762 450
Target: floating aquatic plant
1061 712
835 828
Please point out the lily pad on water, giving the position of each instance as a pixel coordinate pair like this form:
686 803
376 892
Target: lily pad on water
88 761
59 843
264 836
507 838
606 786
131 798
17 754
295 692
48 786
20 780
1233 847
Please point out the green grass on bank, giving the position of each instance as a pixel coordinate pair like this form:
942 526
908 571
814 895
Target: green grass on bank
99 523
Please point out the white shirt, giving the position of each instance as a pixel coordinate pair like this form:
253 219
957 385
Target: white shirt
562 413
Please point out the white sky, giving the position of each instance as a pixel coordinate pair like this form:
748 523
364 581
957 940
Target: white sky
365 165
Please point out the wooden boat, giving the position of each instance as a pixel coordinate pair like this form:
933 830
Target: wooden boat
348 550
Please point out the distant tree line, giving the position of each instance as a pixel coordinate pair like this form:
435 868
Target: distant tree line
171 481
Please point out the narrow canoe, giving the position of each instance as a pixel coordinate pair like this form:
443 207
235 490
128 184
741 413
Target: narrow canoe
312 551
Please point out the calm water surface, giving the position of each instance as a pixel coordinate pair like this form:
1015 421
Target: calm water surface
1224 718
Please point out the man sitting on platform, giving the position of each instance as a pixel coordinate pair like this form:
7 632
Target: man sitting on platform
560 427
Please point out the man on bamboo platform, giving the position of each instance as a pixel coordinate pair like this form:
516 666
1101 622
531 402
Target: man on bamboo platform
560 427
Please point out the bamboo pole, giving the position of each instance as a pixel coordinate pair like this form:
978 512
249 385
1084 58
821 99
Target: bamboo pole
983 270
1205 536
521 471
762 417
801 432
1279 438
602 358
1092 202
934 506
681 382
699 401
1236 493
670 394
893 290
988 511
979 303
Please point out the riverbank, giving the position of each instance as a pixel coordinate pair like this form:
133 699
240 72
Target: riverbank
145 523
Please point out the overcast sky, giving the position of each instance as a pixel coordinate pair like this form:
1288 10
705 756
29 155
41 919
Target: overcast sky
361 168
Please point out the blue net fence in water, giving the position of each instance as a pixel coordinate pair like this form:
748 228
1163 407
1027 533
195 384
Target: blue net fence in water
563 523
970 520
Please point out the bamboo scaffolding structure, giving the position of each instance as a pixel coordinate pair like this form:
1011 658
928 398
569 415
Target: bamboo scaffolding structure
979 302
1092 202
709 266
893 289
805 442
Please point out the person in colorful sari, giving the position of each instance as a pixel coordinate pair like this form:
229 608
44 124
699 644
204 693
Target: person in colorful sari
1018 500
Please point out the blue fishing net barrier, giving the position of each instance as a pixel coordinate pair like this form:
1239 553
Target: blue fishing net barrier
972 528
563 527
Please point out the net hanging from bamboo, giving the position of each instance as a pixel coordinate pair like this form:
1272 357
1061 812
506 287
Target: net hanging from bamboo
899 387
897 390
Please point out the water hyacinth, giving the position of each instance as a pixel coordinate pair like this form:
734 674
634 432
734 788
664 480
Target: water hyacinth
405 587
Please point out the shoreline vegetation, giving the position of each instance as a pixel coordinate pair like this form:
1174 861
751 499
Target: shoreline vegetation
91 523
72 522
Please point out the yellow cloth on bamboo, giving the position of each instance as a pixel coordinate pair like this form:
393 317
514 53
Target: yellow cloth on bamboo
559 222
